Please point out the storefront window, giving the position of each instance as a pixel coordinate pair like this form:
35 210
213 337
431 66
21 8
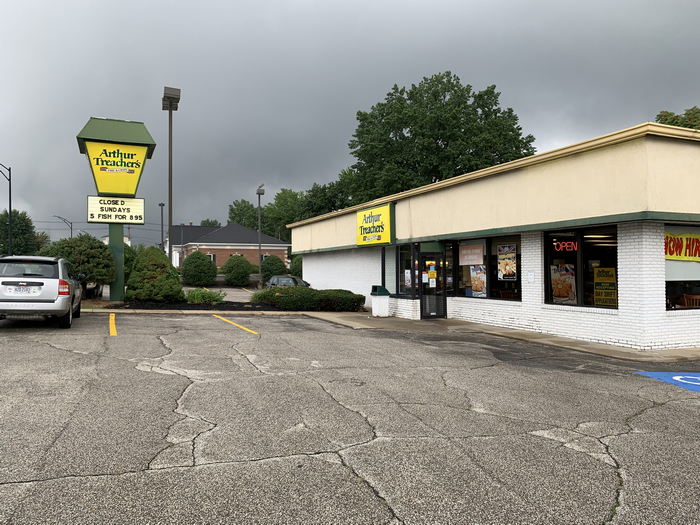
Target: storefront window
405 284
682 254
582 267
488 268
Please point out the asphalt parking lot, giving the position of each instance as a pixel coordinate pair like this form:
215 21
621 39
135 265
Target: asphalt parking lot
193 419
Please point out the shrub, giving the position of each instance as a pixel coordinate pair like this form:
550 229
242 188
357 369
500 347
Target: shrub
296 267
339 301
153 279
237 271
88 255
272 265
204 296
307 299
198 270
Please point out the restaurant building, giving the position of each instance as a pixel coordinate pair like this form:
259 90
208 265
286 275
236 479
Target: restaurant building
597 241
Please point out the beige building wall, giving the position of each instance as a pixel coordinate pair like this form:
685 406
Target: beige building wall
646 168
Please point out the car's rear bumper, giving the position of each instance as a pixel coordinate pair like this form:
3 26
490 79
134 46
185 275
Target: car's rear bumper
25 309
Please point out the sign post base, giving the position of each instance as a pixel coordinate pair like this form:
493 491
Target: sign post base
116 245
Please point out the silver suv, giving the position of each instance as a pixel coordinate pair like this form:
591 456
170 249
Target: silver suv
39 287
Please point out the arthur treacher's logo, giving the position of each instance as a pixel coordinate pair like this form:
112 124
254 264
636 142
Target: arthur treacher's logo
116 161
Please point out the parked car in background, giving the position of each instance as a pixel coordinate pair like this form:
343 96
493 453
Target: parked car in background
286 280
39 287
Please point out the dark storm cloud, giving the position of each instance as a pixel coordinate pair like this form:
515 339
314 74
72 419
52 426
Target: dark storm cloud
270 89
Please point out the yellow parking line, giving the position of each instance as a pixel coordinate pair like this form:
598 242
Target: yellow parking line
112 324
246 290
235 324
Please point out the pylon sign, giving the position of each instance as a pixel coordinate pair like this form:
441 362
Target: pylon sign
117 151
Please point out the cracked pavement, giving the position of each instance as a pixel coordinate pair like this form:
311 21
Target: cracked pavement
186 419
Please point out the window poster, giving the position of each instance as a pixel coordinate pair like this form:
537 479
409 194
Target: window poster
507 262
407 278
604 287
424 279
478 280
563 283
471 253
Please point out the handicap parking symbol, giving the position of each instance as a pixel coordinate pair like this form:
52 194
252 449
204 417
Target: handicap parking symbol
688 380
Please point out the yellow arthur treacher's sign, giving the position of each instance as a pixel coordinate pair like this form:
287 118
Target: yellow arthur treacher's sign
116 167
682 246
375 226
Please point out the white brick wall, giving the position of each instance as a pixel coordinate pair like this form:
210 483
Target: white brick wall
404 308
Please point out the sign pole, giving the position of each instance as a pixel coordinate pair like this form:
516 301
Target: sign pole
116 245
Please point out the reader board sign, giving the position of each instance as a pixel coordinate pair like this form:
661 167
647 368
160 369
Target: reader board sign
375 226
116 167
115 210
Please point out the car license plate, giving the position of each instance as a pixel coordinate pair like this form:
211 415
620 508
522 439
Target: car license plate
23 290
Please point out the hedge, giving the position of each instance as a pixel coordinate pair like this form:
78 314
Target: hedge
153 279
300 299
204 296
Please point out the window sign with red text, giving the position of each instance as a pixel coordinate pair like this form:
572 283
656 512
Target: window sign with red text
682 247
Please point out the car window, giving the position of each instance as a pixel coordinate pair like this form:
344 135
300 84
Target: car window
29 268
286 281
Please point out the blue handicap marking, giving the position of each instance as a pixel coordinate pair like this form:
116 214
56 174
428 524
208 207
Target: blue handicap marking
687 380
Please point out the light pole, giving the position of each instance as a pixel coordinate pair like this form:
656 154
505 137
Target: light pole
69 223
162 242
171 99
260 192
8 177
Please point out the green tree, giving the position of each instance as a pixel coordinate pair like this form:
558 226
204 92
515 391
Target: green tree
296 267
429 132
88 255
42 240
287 207
244 213
198 270
272 265
237 271
153 278
689 119
24 240
210 222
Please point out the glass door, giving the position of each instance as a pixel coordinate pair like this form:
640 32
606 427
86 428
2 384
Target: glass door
432 285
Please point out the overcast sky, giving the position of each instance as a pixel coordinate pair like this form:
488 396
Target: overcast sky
270 88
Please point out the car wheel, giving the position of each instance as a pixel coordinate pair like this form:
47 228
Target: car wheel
76 314
67 320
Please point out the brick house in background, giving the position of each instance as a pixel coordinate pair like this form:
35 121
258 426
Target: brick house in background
221 242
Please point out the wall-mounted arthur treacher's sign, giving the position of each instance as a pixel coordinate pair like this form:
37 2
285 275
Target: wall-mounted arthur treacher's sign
117 151
375 226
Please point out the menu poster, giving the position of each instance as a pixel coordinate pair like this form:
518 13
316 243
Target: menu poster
507 262
478 280
604 287
563 283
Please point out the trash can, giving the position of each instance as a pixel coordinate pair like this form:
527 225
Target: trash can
380 301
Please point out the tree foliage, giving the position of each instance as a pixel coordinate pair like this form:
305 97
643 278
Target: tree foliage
24 237
198 270
272 265
418 135
153 278
88 255
430 132
296 266
689 119
210 222
237 271
244 213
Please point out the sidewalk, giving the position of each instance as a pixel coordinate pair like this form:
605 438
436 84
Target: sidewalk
363 320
